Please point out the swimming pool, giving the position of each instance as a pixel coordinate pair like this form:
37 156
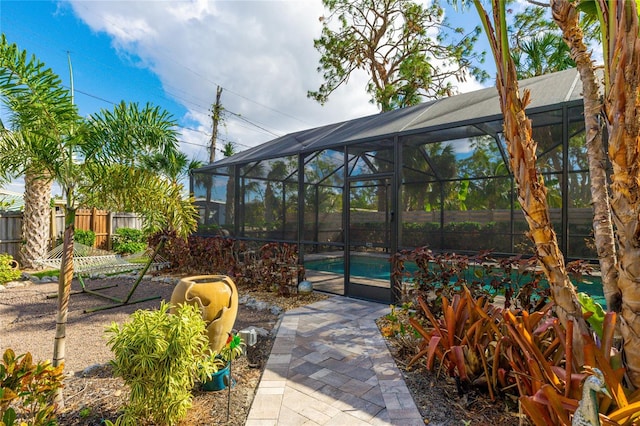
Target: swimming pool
361 266
379 268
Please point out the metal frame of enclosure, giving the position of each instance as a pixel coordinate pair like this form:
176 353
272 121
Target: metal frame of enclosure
437 174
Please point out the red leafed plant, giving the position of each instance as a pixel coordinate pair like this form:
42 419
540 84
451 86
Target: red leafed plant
549 383
522 353
462 339
27 389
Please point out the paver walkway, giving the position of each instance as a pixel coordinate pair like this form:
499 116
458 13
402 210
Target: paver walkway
330 366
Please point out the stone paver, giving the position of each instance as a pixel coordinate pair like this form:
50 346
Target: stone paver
330 366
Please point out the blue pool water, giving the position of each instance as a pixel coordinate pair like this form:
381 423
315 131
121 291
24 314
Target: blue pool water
361 266
380 268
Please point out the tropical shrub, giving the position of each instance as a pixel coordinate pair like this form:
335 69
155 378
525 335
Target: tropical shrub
220 254
128 241
439 275
271 266
524 356
463 339
8 269
278 266
160 356
175 250
27 390
85 237
515 278
215 255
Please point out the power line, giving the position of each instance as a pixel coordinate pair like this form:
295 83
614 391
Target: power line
177 125
182 99
191 129
253 124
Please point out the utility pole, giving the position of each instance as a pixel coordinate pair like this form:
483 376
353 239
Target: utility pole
215 117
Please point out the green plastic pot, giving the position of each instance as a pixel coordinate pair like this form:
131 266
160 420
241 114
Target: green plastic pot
218 380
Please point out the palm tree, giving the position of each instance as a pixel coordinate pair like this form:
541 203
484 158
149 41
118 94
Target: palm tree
96 162
159 201
175 167
618 106
42 115
229 149
107 147
532 194
541 54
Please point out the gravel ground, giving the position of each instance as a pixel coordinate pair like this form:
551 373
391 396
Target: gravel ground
27 324
28 318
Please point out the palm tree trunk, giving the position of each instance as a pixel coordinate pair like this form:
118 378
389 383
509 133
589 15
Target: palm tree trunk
625 203
621 106
532 194
566 16
64 294
36 219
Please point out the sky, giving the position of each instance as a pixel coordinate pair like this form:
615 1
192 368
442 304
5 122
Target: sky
175 54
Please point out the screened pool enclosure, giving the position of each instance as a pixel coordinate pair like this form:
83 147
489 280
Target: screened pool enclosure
437 174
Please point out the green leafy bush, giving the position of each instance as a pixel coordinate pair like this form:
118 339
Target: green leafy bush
465 226
129 241
88 237
8 269
160 356
27 390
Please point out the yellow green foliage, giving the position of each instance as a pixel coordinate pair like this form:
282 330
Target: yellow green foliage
8 269
159 355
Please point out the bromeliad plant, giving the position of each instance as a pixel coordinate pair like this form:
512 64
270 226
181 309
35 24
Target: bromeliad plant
463 339
548 380
525 355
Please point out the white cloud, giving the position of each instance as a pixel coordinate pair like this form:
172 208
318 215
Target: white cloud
261 52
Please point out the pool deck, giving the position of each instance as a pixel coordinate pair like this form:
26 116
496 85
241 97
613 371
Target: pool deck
330 365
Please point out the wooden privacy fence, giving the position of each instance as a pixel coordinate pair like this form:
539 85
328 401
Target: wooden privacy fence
101 222
10 232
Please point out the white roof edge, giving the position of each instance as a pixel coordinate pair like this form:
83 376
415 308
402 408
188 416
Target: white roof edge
576 79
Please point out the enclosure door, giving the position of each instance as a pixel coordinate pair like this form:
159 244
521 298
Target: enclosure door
369 222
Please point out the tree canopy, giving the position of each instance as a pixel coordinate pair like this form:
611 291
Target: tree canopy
407 49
